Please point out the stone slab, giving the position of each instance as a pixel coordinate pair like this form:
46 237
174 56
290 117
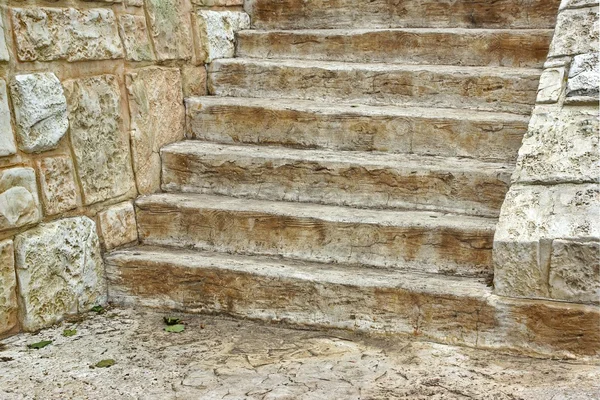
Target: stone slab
8 288
584 77
577 31
117 225
7 138
134 33
19 202
4 56
575 271
552 83
57 184
216 33
170 28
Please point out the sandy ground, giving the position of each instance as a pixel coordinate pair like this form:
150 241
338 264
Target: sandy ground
220 358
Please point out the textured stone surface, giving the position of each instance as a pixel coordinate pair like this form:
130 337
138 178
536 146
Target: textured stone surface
575 271
551 86
40 111
100 144
8 286
46 34
193 80
57 184
220 3
135 38
576 32
4 56
7 138
59 270
170 28
216 31
19 202
117 225
564 4
134 3
157 118
584 76
560 146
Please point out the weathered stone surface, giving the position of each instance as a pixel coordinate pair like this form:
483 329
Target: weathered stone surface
19 202
8 286
57 184
40 111
219 3
216 31
7 138
562 145
46 34
60 271
584 77
576 32
564 4
4 56
100 145
117 225
134 3
157 118
551 86
171 28
135 37
193 80
575 271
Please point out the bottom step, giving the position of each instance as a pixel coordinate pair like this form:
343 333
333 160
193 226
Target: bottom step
439 308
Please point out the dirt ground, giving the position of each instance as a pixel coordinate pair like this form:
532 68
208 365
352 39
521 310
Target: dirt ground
221 358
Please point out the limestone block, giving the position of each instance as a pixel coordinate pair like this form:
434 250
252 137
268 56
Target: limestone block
584 77
564 4
216 31
576 32
100 145
575 271
135 38
193 79
157 118
46 34
40 111
59 270
117 225
57 184
19 202
4 56
561 145
551 86
218 3
7 139
171 29
134 3
8 286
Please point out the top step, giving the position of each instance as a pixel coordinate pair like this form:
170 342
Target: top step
315 14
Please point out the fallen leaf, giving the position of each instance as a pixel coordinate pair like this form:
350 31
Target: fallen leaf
69 332
171 320
175 328
105 363
39 345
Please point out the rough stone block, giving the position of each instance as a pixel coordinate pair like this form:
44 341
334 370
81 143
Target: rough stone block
46 34
19 203
57 184
100 145
584 77
216 31
59 270
8 286
4 56
218 3
561 145
576 32
134 3
117 225
193 79
565 4
135 38
40 111
551 86
575 271
7 139
157 118
171 28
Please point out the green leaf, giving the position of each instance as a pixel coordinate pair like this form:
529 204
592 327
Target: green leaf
97 309
69 332
39 345
175 328
105 363
171 320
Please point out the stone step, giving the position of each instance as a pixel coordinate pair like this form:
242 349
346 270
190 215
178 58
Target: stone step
294 14
307 124
478 88
438 308
457 46
449 244
357 179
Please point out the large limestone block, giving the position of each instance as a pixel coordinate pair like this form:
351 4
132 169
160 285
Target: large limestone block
46 34
135 37
551 86
157 118
7 139
561 145
100 145
170 27
576 32
584 77
8 286
4 56
57 184
40 111
575 271
118 225
216 30
19 203
59 270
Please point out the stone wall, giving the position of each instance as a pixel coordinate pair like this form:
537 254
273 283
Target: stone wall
547 243
89 92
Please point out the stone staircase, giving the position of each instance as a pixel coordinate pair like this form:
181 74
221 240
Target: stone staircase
348 172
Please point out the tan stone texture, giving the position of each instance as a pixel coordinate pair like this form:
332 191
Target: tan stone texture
7 138
193 79
170 27
135 38
157 118
552 83
216 33
577 31
117 225
8 286
19 203
57 184
100 143
218 3
575 271
4 56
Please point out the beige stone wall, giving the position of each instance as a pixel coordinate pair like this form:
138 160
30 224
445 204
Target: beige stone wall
547 243
89 92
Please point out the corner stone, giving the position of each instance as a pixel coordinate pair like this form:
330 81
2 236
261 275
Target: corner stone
216 30
7 139
19 203
117 225
8 286
58 189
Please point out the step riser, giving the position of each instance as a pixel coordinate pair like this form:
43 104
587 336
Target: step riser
471 192
286 14
483 48
446 250
373 85
423 135
534 328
